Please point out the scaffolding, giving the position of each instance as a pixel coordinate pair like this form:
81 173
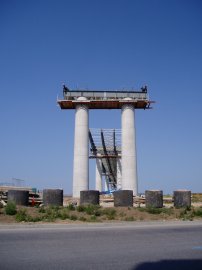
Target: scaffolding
106 146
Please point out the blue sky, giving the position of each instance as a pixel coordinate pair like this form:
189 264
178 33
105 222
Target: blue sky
100 45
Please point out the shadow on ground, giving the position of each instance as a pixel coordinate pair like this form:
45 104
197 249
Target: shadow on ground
171 265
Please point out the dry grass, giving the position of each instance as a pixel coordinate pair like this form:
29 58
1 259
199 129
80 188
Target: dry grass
104 213
92 213
197 197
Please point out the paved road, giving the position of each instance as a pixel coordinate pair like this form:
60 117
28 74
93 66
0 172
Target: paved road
134 246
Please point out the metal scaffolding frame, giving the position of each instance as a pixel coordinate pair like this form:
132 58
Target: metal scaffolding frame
106 146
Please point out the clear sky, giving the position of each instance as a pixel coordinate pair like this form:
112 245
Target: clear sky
100 44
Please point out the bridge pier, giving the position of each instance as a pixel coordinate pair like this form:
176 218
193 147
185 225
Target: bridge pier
81 156
129 163
84 100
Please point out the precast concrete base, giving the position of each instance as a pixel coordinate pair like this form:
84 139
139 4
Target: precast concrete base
123 198
53 197
89 197
182 198
20 197
154 198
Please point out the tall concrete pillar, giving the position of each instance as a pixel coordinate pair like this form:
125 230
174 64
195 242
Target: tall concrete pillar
129 163
98 175
81 162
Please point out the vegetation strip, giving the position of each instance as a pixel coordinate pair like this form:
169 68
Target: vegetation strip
94 213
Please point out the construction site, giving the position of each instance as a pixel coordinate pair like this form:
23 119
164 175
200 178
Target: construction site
114 150
116 178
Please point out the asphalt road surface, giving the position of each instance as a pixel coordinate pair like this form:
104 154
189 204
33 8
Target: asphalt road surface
134 246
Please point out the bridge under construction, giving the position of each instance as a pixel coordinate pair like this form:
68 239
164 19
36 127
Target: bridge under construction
114 150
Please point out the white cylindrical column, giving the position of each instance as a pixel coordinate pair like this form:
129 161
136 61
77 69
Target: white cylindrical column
81 158
129 163
98 175
118 173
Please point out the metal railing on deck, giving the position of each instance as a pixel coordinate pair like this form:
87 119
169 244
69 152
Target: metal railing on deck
102 95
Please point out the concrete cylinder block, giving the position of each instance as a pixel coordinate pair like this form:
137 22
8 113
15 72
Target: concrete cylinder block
20 197
182 198
53 197
123 198
154 198
89 197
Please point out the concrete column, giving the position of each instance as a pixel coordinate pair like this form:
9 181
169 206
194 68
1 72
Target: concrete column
129 163
98 175
118 173
81 157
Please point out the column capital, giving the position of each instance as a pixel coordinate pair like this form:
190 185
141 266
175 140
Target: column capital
81 106
127 104
81 103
